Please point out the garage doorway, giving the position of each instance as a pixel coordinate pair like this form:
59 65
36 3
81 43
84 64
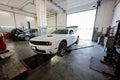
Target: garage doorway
85 22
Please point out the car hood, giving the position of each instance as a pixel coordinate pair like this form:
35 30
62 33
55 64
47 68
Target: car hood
49 37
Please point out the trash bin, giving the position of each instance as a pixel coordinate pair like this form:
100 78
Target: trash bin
2 42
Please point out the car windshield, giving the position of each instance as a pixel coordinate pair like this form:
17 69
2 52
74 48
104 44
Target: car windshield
62 31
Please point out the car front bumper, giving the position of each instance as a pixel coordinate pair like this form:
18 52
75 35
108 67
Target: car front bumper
43 49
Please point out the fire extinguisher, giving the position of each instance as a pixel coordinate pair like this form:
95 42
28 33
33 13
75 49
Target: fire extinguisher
2 42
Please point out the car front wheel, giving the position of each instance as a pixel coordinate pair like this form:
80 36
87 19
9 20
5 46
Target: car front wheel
62 49
27 38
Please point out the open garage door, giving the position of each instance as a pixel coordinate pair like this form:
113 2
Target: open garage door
51 22
84 21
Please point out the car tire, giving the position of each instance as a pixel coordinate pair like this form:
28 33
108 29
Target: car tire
27 38
62 48
77 41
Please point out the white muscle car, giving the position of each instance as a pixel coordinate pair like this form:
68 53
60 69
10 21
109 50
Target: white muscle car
57 42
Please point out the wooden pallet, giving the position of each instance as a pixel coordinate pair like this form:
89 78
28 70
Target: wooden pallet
13 69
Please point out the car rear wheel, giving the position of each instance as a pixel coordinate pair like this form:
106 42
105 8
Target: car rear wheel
62 49
77 41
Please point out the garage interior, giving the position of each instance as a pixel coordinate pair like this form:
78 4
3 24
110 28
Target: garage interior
94 59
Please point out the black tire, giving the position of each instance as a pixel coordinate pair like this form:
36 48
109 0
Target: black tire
77 41
62 48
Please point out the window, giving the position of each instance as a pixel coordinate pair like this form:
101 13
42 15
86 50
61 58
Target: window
71 32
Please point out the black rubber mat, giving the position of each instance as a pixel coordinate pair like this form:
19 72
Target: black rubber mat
96 65
36 60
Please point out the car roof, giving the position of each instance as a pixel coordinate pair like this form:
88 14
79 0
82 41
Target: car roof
66 29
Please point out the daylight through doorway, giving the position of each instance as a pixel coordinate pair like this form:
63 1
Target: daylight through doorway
85 22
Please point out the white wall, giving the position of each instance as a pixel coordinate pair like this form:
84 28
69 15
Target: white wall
21 20
105 15
7 21
116 15
54 21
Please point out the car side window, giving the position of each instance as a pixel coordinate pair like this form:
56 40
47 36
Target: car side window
71 32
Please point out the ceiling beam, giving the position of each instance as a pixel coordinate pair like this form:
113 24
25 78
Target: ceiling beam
8 2
16 10
82 8
117 2
25 3
54 6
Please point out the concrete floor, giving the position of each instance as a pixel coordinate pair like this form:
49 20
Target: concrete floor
73 66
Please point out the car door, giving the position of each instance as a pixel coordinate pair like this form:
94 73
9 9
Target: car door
71 37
